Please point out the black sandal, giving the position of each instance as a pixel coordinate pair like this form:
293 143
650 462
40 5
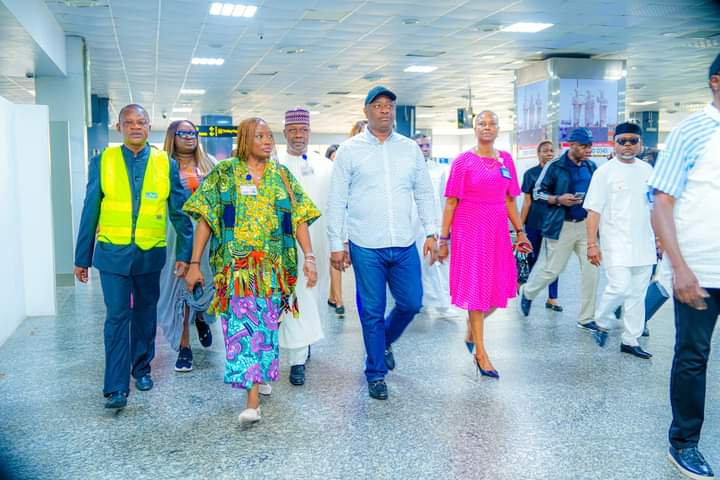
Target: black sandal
204 333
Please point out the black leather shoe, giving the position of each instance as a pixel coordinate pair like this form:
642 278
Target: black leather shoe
637 351
116 400
554 307
378 390
144 383
297 375
389 359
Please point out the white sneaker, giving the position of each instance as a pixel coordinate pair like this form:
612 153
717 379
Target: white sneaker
249 415
265 389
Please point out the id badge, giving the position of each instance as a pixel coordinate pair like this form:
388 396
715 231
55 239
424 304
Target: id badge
505 172
248 190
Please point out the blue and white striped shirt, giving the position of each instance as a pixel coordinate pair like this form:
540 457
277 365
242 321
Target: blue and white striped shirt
689 170
374 184
684 147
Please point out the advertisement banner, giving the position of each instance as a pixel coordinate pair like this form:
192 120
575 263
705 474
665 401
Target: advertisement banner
531 116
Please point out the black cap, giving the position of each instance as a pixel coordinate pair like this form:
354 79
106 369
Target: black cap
715 67
628 127
378 91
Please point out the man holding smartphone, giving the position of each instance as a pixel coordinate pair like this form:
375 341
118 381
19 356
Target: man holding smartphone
561 187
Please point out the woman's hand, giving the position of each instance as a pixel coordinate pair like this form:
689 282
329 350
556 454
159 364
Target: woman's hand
522 244
310 272
443 252
194 276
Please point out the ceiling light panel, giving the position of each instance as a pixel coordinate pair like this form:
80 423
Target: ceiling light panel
526 27
420 69
232 10
192 91
208 61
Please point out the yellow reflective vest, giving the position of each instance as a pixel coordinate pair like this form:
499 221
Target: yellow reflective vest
115 225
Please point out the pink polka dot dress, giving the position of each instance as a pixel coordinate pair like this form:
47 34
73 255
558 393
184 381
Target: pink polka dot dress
483 274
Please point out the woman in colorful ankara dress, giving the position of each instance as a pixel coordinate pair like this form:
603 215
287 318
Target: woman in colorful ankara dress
254 210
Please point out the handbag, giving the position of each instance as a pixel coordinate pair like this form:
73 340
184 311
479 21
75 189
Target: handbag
523 266
655 297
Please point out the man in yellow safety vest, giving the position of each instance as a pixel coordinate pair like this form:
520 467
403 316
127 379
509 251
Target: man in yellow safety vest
131 191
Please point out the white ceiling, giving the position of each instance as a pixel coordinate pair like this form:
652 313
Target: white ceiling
141 51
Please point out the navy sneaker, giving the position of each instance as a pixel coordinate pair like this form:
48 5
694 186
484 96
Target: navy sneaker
590 326
116 400
389 359
378 390
601 336
690 462
144 383
525 303
184 360
204 332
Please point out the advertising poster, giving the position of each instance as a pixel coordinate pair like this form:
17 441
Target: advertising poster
531 114
590 104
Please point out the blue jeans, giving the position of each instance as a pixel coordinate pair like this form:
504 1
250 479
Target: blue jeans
535 237
375 269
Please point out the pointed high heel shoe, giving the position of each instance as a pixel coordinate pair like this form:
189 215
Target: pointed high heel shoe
486 373
470 346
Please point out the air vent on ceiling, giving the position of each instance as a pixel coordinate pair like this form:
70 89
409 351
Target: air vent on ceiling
264 74
656 10
425 106
338 92
567 55
372 77
704 43
83 3
424 53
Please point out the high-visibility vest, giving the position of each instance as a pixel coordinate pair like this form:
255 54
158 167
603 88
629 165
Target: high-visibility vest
115 224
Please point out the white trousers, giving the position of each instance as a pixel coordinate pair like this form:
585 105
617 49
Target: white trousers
626 286
295 356
553 259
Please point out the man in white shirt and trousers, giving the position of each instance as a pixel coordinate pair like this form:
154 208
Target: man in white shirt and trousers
313 171
435 277
617 202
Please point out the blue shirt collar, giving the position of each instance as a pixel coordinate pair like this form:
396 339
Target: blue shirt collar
143 152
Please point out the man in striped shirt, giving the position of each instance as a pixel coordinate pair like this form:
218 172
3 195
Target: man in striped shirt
686 182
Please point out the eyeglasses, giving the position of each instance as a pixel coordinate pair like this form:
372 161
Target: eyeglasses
624 141
186 134
381 106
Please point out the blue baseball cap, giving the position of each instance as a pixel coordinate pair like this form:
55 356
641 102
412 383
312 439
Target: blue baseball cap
582 136
378 91
715 67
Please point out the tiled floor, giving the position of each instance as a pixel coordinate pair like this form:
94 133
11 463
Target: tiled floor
563 409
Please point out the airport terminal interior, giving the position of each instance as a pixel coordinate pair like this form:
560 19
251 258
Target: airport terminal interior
454 79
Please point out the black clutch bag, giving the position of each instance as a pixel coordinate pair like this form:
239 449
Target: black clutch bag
655 297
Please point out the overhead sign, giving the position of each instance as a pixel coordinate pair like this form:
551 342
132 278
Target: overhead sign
217 131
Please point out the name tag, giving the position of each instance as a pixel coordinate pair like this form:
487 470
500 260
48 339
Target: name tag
151 195
505 172
248 190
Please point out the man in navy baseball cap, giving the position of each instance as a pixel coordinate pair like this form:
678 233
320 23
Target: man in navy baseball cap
379 91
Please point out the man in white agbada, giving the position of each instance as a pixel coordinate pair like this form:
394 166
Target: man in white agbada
617 203
435 277
313 172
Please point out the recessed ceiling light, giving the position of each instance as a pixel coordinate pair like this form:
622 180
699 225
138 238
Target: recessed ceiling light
643 103
410 21
192 91
232 10
182 109
176 119
208 61
526 27
420 69
487 57
314 112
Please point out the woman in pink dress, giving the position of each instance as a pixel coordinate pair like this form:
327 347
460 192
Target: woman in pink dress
481 191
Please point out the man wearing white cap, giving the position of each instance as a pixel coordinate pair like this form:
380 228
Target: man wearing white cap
313 172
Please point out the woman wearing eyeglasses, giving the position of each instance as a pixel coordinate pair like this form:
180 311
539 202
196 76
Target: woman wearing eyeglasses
177 306
252 210
481 191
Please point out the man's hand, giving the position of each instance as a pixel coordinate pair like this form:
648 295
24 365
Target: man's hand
430 248
181 269
688 289
340 260
568 200
81 273
594 255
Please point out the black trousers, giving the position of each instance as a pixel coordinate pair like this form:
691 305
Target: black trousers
693 334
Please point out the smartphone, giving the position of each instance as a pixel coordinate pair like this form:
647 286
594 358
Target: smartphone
579 195
198 291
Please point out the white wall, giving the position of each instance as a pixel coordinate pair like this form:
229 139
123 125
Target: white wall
27 285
